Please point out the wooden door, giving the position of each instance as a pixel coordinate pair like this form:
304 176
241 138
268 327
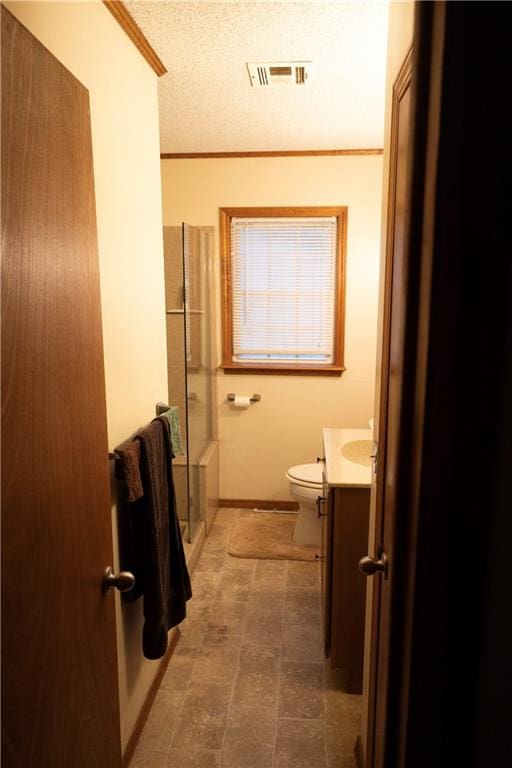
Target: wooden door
390 412
60 698
408 315
441 659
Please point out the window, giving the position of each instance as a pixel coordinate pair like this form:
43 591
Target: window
283 289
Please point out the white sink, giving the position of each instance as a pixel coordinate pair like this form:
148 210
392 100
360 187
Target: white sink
358 451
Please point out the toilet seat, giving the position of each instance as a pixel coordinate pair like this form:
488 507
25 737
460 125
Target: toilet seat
306 475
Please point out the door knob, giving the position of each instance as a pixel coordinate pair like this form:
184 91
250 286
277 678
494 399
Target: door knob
370 565
123 581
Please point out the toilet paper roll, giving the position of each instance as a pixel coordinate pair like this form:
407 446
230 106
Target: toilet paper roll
242 401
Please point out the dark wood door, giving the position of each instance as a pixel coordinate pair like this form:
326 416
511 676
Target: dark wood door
60 698
390 412
442 636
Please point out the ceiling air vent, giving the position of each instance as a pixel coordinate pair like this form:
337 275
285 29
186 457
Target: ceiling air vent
265 74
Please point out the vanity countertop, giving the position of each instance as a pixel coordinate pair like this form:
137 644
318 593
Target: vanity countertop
340 444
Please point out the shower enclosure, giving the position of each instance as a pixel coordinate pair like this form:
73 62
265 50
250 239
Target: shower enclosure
190 361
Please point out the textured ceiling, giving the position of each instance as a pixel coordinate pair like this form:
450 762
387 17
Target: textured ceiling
207 103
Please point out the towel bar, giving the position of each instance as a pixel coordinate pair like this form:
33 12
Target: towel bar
254 398
160 408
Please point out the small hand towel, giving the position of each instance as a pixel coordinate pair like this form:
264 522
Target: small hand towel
130 459
173 417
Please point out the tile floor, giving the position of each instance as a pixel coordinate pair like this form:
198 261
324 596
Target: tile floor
247 686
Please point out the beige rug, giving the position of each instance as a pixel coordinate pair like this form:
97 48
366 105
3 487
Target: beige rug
267 535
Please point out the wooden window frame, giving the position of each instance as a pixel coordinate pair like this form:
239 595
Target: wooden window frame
335 368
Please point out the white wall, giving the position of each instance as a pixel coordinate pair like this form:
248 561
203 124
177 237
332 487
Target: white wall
124 122
258 445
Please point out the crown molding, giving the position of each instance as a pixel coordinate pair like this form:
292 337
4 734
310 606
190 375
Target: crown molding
126 22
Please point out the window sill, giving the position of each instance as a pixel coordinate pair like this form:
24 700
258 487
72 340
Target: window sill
284 369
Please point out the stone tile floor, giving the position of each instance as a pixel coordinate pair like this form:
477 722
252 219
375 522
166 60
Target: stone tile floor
247 686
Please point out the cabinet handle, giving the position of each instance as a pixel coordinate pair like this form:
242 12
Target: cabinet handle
319 501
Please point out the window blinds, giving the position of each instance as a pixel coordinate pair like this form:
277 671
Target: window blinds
283 274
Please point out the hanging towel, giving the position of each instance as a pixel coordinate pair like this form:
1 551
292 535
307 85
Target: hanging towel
130 460
161 577
173 417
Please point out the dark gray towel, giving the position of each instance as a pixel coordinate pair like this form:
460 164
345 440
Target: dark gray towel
162 576
130 468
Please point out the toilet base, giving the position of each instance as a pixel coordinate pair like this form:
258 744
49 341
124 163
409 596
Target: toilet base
308 528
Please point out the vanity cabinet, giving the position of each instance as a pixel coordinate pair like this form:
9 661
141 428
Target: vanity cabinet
345 512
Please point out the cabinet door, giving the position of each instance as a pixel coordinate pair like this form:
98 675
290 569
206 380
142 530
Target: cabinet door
349 537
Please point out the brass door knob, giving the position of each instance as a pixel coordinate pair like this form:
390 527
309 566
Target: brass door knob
370 565
123 581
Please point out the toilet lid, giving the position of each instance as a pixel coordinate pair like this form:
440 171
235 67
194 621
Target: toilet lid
307 473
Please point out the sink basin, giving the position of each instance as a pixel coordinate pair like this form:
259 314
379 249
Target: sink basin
358 451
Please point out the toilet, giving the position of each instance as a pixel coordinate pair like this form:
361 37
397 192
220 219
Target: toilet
306 486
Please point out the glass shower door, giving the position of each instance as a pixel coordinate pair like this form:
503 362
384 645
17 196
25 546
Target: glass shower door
176 365
198 379
187 259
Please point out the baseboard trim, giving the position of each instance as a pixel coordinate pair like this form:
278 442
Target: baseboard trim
258 504
358 751
270 153
148 701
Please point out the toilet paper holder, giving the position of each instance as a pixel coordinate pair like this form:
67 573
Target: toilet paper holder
253 398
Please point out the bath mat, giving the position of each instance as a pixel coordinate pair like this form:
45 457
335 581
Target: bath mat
267 535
